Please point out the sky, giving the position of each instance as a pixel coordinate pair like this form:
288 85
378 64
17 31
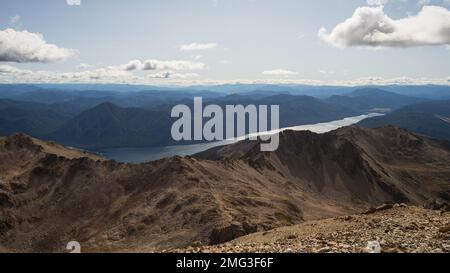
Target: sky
191 42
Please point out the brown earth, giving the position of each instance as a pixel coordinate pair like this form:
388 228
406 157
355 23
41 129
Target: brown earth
397 230
50 195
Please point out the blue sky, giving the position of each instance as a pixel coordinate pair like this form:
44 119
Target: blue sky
230 40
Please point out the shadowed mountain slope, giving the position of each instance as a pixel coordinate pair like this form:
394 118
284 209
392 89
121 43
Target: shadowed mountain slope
430 118
108 125
372 99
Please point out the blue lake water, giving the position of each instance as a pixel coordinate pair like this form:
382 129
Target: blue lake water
141 155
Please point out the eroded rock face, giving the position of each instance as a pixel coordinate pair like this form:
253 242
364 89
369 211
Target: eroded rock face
7 221
6 200
21 141
229 232
437 204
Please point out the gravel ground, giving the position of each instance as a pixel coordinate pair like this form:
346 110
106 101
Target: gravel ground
400 229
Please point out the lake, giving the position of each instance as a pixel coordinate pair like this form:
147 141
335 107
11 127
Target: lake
141 155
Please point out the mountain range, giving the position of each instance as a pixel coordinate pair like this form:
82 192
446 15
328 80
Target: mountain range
50 195
429 118
422 91
108 125
31 118
98 118
373 100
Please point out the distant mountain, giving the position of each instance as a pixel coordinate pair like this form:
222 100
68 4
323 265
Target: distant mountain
430 118
294 110
73 117
13 90
142 98
108 125
50 195
31 118
423 91
92 121
432 92
372 99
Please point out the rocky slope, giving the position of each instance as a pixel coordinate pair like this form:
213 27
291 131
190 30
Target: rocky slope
401 229
50 195
354 164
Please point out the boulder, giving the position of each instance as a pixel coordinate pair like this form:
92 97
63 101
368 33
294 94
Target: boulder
379 208
230 232
445 229
437 204
384 207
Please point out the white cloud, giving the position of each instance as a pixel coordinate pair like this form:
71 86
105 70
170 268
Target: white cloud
163 65
110 74
7 69
84 66
419 2
279 72
27 47
107 74
133 65
377 2
172 75
423 2
73 2
10 74
196 46
131 72
371 27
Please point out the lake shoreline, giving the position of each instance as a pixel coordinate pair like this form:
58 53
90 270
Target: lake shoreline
143 154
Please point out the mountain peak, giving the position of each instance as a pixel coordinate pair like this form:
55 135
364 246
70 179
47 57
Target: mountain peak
21 141
426 118
107 105
369 91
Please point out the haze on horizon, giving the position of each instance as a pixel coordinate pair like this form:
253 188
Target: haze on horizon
223 41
